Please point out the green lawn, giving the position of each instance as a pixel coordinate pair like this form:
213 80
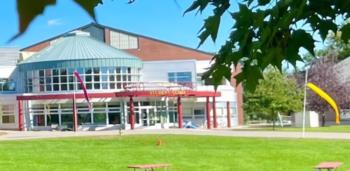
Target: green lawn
333 128
185 153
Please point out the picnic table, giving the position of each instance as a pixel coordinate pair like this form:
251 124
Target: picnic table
328 166
148 167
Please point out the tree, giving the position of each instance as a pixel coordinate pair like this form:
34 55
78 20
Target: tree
324 74
275 93
264 33
336 44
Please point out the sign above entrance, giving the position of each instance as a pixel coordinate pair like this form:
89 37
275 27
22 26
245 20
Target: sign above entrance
167 92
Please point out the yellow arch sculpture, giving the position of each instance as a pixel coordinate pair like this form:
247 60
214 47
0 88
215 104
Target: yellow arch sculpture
326 97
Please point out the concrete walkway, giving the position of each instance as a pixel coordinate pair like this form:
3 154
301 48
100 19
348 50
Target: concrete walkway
16 135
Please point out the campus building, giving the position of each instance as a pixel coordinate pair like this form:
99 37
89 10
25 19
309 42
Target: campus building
133 82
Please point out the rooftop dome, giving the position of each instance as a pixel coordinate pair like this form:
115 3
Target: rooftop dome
78 49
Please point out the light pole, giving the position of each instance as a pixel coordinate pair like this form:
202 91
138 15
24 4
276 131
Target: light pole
304 110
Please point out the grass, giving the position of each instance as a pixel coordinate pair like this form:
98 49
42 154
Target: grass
333 128
184 153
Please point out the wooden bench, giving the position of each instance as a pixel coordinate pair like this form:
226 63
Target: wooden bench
148 167
328 166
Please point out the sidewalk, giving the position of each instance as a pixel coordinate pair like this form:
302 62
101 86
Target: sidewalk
17 135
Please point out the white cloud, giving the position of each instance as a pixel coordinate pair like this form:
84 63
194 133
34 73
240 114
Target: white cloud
54 22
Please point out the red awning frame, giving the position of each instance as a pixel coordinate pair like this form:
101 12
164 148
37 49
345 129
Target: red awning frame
149 93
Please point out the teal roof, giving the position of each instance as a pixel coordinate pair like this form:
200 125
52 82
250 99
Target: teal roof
79 50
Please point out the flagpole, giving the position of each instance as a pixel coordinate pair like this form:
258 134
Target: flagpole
304 110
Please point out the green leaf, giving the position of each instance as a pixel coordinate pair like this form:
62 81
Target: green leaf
211 27
28 10
201 4
345 32
326 25
303 39
89 6
263 2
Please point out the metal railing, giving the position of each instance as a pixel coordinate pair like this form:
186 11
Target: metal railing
144 86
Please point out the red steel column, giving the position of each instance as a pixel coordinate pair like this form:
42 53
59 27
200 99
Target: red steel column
179 111
132 113
20 116
207 108
75 116
228 114
214 113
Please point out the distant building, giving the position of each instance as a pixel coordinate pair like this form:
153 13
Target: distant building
133 81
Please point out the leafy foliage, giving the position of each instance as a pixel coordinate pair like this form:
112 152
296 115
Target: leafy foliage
28 10
267 32
276 93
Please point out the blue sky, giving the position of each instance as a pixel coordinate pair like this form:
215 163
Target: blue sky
161 19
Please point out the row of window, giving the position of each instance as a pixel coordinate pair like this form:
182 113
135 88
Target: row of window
94 79
7 85
61 114
7 113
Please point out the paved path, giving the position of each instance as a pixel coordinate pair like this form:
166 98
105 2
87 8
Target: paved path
16 135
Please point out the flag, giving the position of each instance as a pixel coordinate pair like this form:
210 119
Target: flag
76 74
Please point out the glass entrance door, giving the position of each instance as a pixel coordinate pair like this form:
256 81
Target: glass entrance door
148 117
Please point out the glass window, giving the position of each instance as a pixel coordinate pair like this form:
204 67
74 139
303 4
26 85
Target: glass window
104 70
172 116
39 120
180 77
67 120
63 71
63 79
96 78
104 78
113 118
84 119
119 78
63 86
118 70
100 118
71 71
105 86
88 78
97 86
88 86
48 88
96 70
55 72
56 87
55 79
81 70
48 80
88 70
112 85
111 78
8 119
111 70
42 88
41 73
52 119
198 113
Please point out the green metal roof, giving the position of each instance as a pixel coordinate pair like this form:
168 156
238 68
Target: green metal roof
79 50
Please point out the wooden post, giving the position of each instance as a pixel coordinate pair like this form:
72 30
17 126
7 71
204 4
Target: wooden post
228 114
132 113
